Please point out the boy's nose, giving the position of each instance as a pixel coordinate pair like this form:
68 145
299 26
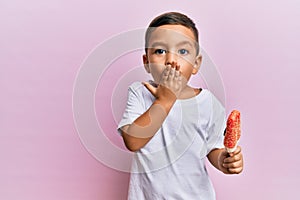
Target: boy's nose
170 57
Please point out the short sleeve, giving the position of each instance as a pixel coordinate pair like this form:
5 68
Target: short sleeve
134 106
217 125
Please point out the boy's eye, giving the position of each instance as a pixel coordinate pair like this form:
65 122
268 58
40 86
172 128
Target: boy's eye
160 51
183 51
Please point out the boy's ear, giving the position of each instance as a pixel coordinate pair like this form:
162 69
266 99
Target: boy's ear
146 63
197 64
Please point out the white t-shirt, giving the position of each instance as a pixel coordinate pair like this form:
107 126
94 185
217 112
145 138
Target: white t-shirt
171 165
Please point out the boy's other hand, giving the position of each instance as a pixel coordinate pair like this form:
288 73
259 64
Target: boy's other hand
231 163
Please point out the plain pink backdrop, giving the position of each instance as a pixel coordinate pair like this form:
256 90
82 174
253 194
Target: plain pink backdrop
255 45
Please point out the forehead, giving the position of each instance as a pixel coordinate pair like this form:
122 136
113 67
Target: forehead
172 34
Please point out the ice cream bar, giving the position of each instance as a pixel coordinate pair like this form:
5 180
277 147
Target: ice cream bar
233 131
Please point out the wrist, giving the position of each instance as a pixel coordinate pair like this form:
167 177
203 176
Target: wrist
167 104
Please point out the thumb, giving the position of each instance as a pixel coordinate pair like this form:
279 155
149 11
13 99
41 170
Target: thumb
224 154
151 88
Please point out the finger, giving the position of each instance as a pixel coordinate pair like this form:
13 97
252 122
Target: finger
180 77
151 89
171 74
177 67
224 153
177 72
236 164
169 64
238 150
233 158
174 64
235 170
167 70
165 74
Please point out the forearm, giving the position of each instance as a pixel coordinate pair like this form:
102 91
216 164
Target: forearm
140 132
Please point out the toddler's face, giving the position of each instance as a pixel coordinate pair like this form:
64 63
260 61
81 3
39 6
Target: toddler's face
171 43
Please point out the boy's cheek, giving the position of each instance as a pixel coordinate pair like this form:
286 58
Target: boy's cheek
157 67
187 62
157 62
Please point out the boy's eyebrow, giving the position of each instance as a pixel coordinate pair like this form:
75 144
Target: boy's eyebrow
184 43
159 43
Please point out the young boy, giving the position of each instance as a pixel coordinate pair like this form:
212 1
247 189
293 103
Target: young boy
171 126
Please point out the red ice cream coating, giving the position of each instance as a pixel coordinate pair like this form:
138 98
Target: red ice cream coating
233 129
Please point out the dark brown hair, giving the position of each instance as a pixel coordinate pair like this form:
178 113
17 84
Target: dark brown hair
173 18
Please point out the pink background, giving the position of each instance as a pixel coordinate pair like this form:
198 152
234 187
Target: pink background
255 45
